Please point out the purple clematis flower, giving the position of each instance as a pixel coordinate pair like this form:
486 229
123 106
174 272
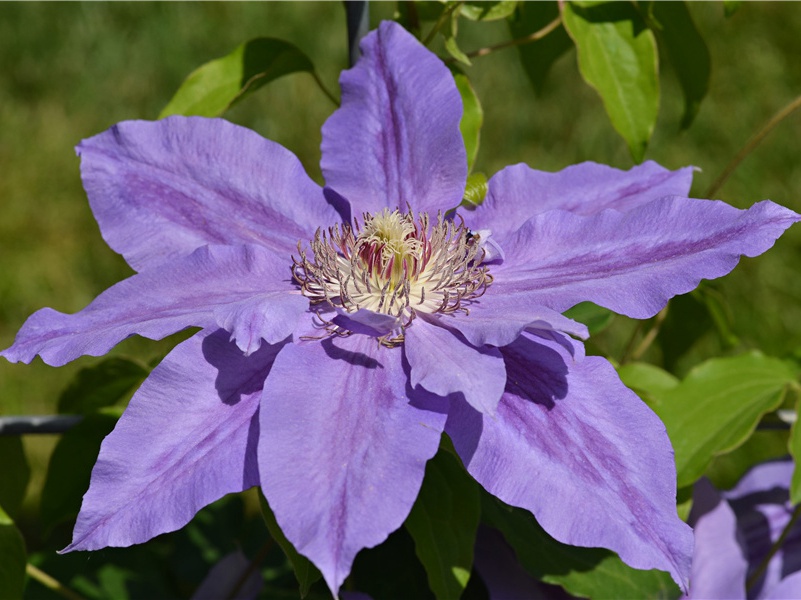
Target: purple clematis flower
734 534
344 329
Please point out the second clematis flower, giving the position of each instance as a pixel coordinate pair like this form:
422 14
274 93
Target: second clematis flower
345 328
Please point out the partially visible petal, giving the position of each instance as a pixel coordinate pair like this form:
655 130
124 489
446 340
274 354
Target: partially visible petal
719 566
187 438
761 502
768 476
502 574
224 578
789 587
246 290
583 453
444 363
519 192
634 262
499 318
342 451
396 138
161 189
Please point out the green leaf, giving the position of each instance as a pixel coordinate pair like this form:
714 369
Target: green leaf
70 468
104 384
472 118
13 558
443 524
214 87
538 57
16 473
727 469
475 190
688 54
583 572
716 408
596 318
650 382
617 56
488 11
305 572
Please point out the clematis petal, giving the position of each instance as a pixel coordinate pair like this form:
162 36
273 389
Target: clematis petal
396 138
245 289
789 587
342 450
498 319
719 568
634 262
225 576
519 192
187 438
502 574
444 364
161 189
582 452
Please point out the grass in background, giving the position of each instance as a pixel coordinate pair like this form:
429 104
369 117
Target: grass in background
70 70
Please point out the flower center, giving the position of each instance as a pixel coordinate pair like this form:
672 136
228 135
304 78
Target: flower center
394 265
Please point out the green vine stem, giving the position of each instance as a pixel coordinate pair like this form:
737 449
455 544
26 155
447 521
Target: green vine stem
750 145
760 570
51 583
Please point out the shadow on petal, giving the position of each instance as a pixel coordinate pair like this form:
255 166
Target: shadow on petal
356 359
238 375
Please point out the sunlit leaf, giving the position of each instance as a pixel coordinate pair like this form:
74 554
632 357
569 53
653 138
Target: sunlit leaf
13 558
15 472
305 572
538 57
583 572
647 380
472 118
70 468
101 385
488 11
718 405
443 524
617 56
687 51
596 318
475 190
215 86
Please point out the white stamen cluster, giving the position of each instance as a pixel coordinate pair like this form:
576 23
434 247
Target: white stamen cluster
395 265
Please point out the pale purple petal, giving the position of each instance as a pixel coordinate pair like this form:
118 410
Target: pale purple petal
396 138
789 587
773 475
244 289
224 577
444 363
499 318
583 453
161 189
187 438
519 192
761 502
719 567
342 451
634 262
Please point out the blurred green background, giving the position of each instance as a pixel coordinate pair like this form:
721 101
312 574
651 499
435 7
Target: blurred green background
70 70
